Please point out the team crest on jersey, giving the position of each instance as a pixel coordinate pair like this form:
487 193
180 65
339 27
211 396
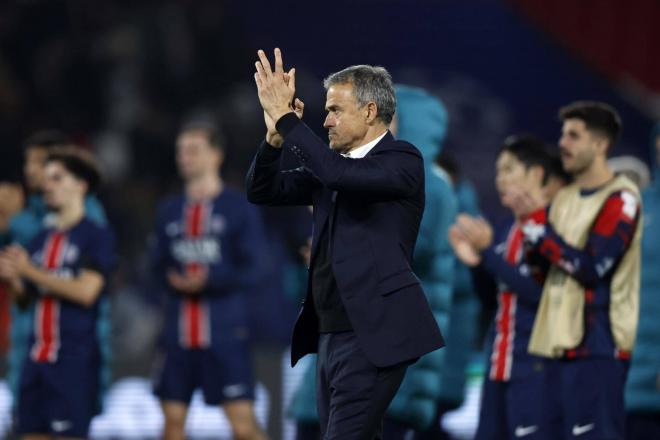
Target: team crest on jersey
204 250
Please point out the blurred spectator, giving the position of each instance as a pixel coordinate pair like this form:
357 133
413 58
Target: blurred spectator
643 387
207 256
63 274
422 120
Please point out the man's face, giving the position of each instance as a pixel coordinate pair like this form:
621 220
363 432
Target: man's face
346 121
512 173
35 159
195 157
61 188
578 146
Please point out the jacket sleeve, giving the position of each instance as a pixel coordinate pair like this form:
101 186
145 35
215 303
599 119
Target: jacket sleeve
267 184
392 173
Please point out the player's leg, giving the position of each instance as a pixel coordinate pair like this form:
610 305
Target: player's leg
244 426
175 419
593 398
227 382
174 385
493 411
72 389
31 421
528 402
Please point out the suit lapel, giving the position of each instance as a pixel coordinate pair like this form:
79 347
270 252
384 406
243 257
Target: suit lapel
386 140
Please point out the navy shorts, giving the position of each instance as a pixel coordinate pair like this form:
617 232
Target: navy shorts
516 408
590 396
58 398
223 374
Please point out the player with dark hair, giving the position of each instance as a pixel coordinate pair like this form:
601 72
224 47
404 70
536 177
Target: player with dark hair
590 239
206 253
512 405
22 228
65 272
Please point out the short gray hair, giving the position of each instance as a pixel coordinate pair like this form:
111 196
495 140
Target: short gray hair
370 84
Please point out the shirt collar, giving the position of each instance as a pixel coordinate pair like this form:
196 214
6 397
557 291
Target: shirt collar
362 151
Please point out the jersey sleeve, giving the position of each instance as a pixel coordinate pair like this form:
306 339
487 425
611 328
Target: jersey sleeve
517 278
609 238
100 254
245 272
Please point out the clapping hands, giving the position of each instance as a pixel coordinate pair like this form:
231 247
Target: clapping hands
469 236
276 90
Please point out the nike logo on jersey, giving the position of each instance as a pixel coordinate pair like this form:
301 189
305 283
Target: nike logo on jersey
581 429
60 425
523 431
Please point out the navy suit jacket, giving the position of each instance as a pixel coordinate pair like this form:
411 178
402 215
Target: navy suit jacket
373 207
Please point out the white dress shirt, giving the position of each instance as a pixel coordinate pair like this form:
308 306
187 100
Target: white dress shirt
360 152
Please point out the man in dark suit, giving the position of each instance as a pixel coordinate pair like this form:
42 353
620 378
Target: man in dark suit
365 313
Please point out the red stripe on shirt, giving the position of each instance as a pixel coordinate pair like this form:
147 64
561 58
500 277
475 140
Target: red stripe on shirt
47 337
194 319
502 357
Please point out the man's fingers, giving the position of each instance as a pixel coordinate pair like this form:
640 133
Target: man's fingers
257 80
278 61
265 63
292 79
466 223
261 72
298 107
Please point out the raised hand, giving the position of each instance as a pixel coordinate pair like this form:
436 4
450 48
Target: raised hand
275 93
272 136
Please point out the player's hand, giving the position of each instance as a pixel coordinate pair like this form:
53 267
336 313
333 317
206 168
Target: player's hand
19 258
476 230
462 247
275 93
8 270
190 283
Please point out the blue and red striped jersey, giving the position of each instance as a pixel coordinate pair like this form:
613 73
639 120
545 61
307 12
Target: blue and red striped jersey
593 266
224 236
62 326
518 294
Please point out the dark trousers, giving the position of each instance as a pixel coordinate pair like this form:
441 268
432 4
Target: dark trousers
353 394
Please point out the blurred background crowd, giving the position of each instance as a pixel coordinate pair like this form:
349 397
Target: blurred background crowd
121 77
